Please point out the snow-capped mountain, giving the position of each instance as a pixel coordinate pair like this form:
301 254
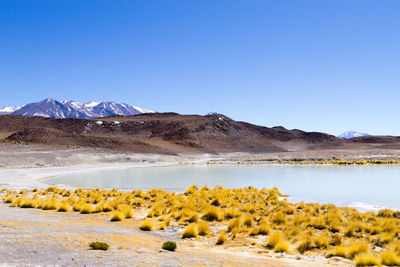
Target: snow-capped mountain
70 109
351 134
8 110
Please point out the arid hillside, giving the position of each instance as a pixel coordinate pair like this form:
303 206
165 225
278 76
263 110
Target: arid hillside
172 133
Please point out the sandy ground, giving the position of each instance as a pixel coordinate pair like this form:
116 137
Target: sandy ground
30 237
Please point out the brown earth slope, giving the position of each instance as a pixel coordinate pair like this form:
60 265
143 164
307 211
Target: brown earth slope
169 132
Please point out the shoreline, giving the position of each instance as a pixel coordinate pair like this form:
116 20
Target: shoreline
35 177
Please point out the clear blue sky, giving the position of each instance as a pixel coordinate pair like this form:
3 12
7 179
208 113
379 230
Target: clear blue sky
315 65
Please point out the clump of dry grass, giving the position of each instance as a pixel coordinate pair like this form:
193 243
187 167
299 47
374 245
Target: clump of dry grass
318 223
262 229
278 218
366 259
234 224
221 239
63 207
86 209
8 199
117 216
321 242
146 225
340 251
108 207
190 231
77 206
248 221
305 245
212 214
27 203
281 247
390 258
274 239
49 205
203 228
356 249
127 212
232 213
162 226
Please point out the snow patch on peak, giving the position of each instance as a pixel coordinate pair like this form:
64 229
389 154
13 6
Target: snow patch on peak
91 104
8 110
142 110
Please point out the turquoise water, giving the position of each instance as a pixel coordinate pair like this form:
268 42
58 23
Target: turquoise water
341 185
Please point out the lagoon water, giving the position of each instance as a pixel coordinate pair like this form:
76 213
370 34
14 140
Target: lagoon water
364 187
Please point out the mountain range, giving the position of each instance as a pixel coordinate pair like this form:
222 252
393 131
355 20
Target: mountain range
175 133
60 109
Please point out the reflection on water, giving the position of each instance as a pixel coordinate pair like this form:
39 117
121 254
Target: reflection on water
341 185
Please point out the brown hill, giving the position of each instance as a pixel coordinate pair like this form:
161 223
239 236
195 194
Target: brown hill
164 132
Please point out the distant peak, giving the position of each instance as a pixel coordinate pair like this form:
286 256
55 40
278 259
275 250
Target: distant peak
351 134
52 108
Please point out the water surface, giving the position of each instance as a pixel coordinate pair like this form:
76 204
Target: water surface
340 185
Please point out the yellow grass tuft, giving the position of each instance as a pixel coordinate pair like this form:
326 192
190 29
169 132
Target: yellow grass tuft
356 249
127 212
162 226
77 206
262 229
321 242
117 216
63 207
274 239
229 214
389 258
28 203
9 199
146 225
281 247
221 239
191 217
212 214
234 225
86 209
190 231
203 228
108 207
366 259
248 221
49 205
279 218
305 245
340 251
98 208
